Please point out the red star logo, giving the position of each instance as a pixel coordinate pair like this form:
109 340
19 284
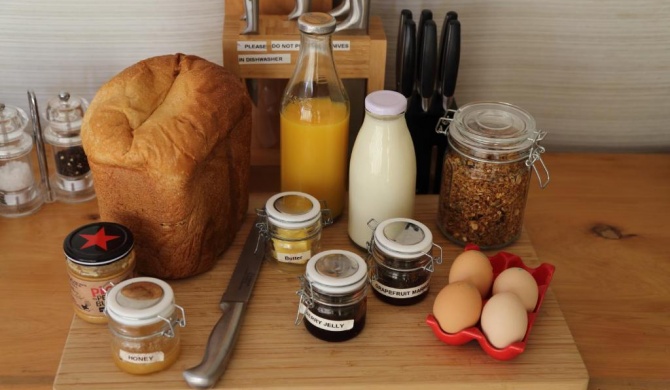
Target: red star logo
100 239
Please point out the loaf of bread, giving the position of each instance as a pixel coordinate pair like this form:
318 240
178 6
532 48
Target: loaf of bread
168 143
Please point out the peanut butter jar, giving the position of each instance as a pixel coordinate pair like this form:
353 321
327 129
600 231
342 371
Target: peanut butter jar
98 256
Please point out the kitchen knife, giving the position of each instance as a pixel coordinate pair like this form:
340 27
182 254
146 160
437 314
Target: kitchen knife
233 305
405 69
451 49
400 47
427 64
450 62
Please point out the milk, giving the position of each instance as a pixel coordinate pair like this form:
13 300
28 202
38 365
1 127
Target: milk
382 170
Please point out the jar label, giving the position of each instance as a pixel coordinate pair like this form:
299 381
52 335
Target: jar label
294 258
400 293
89 295
141 358
326 324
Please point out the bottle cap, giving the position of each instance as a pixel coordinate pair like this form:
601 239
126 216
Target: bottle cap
98 243
316 23
386 103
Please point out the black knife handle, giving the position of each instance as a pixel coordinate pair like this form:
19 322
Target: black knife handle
406 68
428 53
451 15
219 348
452 58
404 15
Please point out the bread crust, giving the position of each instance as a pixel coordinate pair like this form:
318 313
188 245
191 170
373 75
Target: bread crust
168 142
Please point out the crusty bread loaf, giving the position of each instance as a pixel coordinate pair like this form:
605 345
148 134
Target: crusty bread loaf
168 142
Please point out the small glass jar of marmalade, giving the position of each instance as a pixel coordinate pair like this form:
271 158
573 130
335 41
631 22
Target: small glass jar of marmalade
144 322
402 261
333 295
293 225
97 255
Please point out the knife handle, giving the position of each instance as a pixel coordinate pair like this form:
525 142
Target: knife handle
219 347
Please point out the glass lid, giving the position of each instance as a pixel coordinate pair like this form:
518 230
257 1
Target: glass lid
65 112
12 120
493 126
336 271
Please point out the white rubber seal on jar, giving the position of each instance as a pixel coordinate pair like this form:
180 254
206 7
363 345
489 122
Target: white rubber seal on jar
287 220
328 284
132 312
422 240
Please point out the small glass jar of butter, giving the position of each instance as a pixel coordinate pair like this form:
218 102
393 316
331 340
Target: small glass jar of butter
293 225
144 322
98 255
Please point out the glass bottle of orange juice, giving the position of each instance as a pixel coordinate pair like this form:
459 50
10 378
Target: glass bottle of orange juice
314 124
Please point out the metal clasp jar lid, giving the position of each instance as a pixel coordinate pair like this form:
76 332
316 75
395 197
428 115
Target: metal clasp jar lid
144 301
294 210
404 238
495 132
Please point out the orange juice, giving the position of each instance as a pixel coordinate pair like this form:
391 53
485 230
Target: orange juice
314 139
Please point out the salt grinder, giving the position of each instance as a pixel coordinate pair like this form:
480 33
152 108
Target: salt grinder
20 194
72 181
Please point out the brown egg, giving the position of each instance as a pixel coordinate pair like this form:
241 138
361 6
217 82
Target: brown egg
504 320
474 267
520 282
457 306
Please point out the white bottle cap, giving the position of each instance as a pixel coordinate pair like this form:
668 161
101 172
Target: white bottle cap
386 103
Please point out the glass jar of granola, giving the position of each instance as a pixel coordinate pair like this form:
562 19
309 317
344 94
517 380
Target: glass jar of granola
487 167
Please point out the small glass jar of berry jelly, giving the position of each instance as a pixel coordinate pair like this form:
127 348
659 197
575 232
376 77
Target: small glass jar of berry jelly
72 181
98 256
333 295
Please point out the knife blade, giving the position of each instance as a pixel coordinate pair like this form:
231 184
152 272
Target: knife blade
233 304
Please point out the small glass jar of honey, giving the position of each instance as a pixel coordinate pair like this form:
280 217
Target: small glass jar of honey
98 255
144 322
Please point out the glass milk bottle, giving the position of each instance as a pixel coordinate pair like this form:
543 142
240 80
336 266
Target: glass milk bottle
382 171
20 194
314 119
72 181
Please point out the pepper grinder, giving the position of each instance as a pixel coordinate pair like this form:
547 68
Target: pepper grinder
72 182
20 194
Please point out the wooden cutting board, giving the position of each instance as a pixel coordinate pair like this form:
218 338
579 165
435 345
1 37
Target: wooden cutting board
396 350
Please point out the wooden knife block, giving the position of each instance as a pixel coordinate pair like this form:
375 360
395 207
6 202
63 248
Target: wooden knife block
365 59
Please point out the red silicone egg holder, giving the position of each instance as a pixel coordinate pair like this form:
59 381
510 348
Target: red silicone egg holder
500 262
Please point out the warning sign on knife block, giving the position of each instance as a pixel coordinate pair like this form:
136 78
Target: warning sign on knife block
272 53
267 59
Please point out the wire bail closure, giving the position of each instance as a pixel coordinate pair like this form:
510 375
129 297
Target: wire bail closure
181 321
306 299
534 155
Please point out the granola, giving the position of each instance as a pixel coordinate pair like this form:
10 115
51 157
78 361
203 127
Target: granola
482 202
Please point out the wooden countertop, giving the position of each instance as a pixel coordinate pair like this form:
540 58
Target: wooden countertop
602 221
